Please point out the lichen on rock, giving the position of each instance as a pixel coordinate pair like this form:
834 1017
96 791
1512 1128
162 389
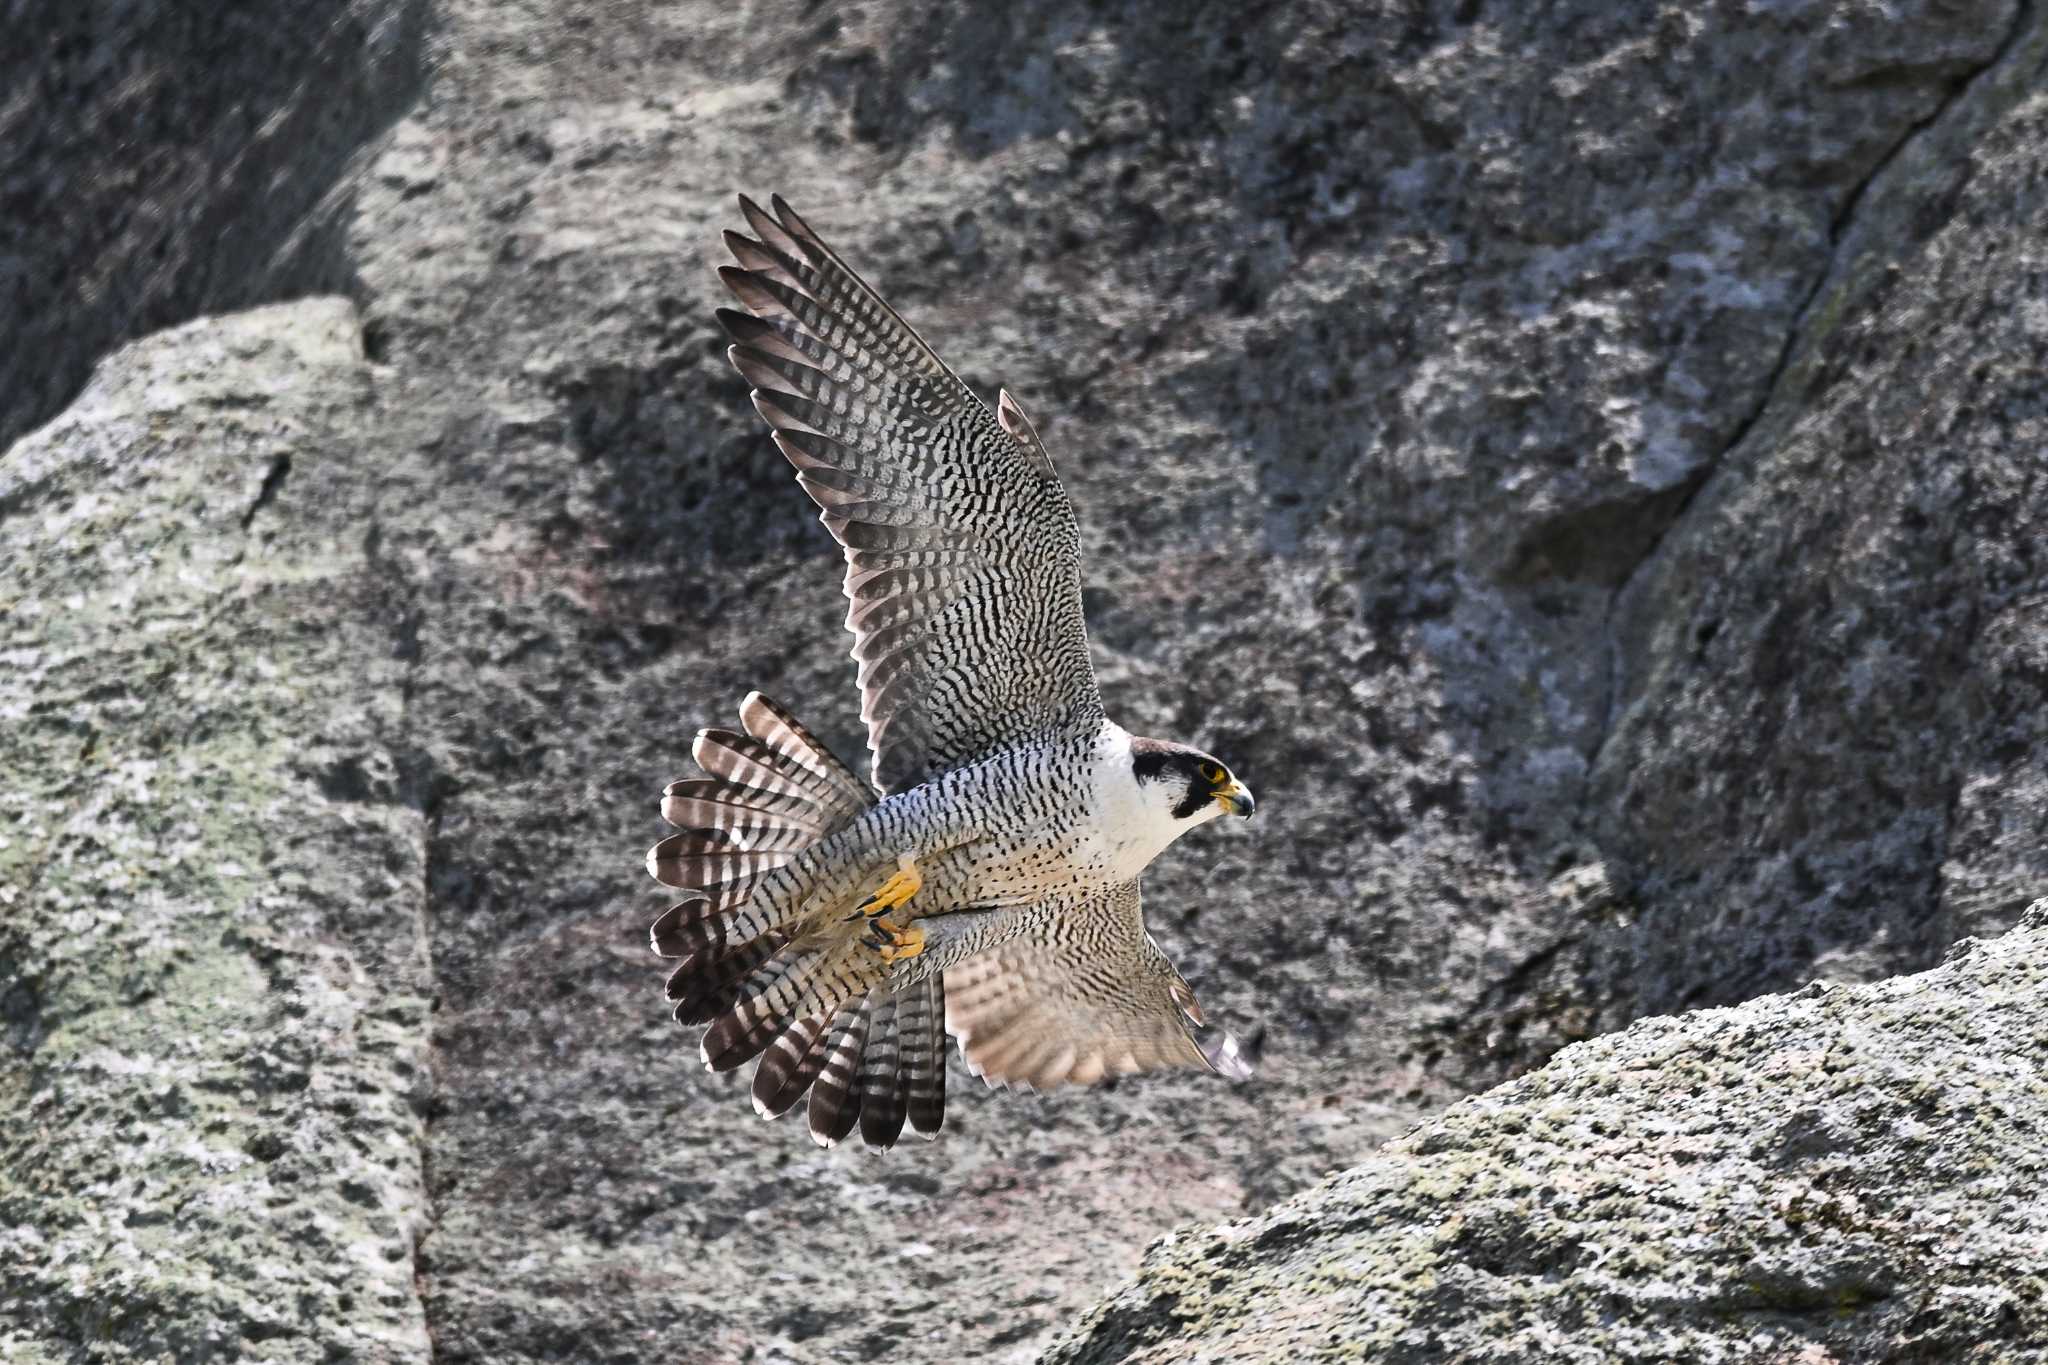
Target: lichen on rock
1846 1173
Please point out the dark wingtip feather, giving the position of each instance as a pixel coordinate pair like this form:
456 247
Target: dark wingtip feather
751 290
762 335
790 223
772 232
748 252
769 373
1223 1054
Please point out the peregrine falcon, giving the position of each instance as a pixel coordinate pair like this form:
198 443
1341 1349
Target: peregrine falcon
986 884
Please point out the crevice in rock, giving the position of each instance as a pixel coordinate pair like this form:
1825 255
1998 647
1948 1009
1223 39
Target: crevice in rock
1491 1038
1840 229
429 1107
424 789
1941 917
427 801
273 480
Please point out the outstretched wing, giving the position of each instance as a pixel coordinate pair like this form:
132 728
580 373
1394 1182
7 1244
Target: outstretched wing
1086 995
962 557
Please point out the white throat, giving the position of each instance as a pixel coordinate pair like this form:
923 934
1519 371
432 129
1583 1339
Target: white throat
1133 824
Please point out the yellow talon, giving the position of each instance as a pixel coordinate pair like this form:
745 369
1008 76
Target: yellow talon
896 890
900 944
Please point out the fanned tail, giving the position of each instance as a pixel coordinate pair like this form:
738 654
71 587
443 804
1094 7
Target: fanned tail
815 1013
883 1061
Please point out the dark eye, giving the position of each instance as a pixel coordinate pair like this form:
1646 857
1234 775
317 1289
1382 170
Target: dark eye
1213 773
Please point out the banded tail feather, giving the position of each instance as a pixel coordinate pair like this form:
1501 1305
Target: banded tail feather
704 991
835 1093
882 1101
794 982
789 1066
815 1014
882 1062
922 1025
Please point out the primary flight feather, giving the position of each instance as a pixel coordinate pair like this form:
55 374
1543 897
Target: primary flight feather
986 883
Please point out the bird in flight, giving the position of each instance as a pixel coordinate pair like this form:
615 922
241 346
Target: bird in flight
986 882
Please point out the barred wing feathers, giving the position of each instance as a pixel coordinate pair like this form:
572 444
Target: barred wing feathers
1080 996
962 553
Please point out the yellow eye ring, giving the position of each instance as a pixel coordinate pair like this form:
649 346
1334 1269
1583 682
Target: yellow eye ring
1213 773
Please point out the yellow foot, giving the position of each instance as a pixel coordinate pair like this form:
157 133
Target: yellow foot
895 891
893 943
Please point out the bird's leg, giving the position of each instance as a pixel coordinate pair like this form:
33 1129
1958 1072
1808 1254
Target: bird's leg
893 941
946 938
894 892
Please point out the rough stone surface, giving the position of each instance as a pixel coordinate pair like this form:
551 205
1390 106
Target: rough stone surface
160 160
1831 670
1425 375
213 984
1841 1174
1831 750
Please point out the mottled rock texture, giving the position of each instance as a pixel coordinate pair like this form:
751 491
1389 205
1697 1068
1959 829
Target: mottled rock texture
1847 1173
1831 736
212 971
159 160
1428 377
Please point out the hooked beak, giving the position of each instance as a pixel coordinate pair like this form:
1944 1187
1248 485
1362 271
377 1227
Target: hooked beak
1236 798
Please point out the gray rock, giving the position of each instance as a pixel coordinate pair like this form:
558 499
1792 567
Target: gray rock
1390 355
161 160
1831 744
212 970
1844 1173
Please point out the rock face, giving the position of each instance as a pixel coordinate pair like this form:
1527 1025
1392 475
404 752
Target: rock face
1599 445
212 976
1845 1173
1832 711
161 160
